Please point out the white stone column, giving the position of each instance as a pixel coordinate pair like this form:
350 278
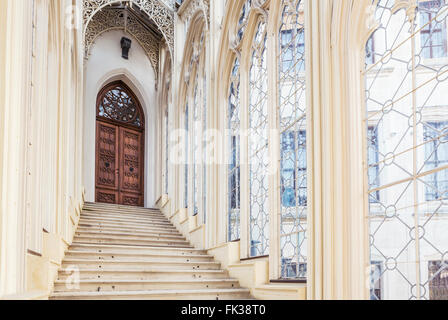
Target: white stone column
16 31
336 33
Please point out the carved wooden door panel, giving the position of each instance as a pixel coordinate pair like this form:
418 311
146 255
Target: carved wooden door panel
107 163
131 167
119 174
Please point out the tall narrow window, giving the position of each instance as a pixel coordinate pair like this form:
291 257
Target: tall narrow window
370 51
199 124
433 35
436 153
258 146
374 167
244 16
166 151
407 171
438 285
293 164
196 145
204 146
233 175
187 137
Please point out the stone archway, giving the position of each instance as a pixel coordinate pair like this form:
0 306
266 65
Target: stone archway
120 127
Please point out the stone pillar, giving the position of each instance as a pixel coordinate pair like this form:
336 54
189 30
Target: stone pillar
16 30
336 32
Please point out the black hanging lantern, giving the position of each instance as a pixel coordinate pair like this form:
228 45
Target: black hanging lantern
125 46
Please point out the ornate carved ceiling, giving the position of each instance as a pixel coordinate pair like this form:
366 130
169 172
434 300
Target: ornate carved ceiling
100 16
190 7
113 19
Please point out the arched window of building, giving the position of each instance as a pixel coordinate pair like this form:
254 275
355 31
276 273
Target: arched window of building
166 92
186 154
117 103
292 125
258 144
233 174
196 125
204 144
406 125
244 17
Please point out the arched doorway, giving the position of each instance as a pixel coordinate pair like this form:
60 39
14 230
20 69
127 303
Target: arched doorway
120 126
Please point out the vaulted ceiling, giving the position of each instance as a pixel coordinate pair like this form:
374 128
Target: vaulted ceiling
149 22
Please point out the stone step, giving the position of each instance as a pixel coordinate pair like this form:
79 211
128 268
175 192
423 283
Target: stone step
112 231
122 252
126 216
129 215
135 285
74 274
108 248
151 243
117 235
126 224
92 255
140 228
113 264
129 241
127 220
118 208
203 294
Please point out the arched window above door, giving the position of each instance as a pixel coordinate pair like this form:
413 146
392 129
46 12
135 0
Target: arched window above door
116 102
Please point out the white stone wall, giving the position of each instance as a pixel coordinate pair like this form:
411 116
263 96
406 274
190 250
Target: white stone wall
105 65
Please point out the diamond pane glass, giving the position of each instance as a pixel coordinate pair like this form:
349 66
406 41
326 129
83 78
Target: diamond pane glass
244 16
166 152
407 124
196 145
204 147
293 164
118 104
187 137
258 146
233 174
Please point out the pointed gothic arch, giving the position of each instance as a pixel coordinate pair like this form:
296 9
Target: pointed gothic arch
120 144
158 12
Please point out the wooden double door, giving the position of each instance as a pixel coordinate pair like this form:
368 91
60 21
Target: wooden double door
119 164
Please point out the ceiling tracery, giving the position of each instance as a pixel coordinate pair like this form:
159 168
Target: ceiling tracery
100 16
189 9
111 19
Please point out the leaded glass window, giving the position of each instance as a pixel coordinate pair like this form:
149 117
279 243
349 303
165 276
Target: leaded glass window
244 16
433 34
196 145
438 283
204 146
375 276
187 136
406 108
370 51
374 167
166 152
436 153
199 124
293 163
119 104
258 145
233 175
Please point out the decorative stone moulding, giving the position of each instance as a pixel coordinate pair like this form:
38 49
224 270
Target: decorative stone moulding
190 7
409 5
161 14
108 20
258 5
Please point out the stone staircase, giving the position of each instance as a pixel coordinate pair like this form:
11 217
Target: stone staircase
122 252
